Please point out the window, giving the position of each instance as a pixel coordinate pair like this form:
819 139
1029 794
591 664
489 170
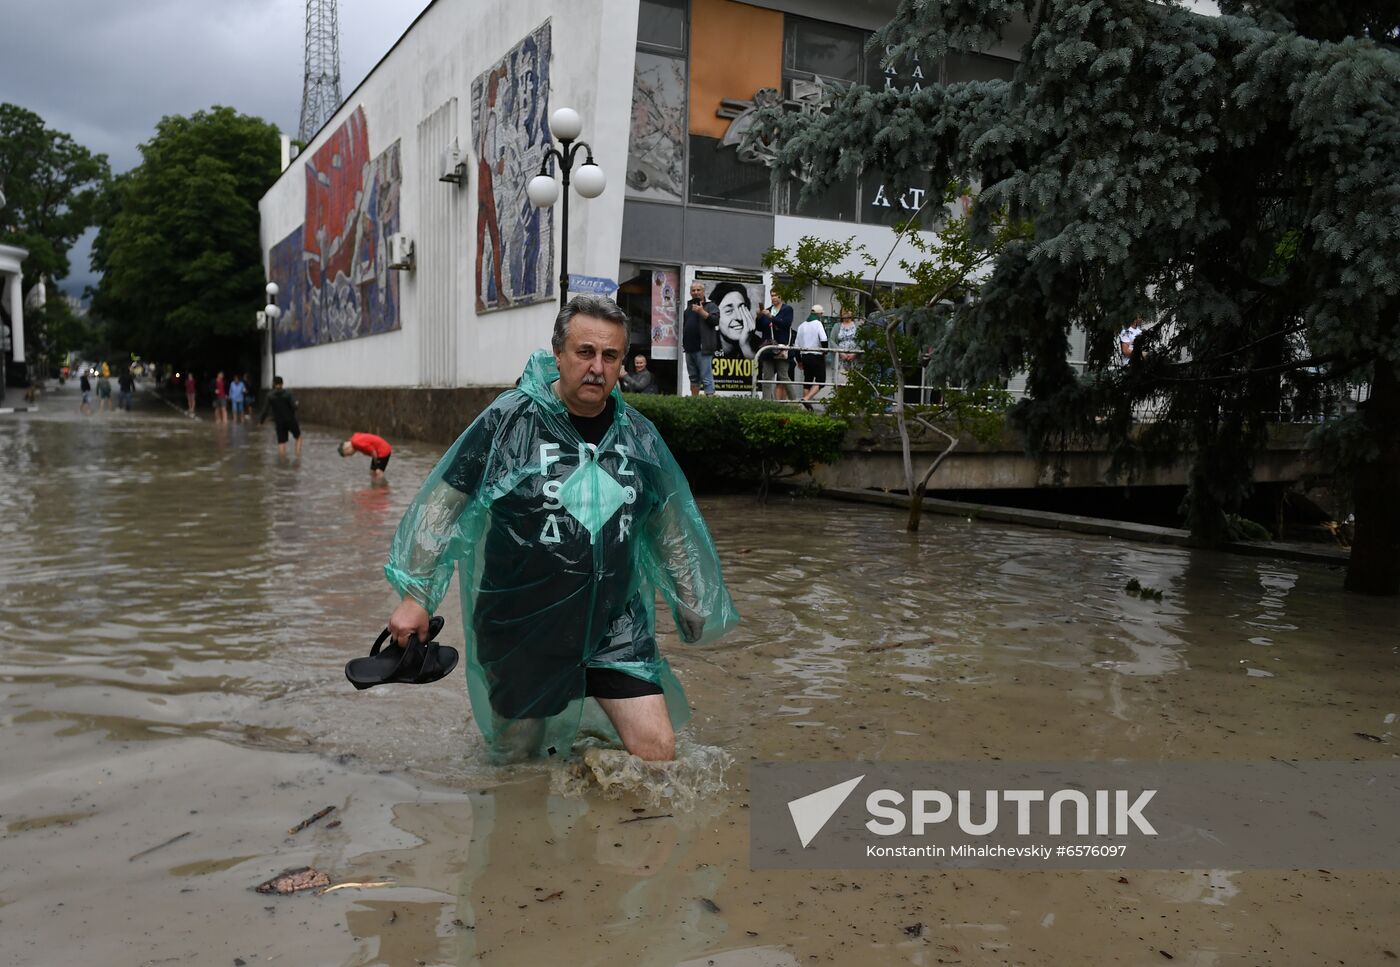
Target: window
966 65
835 54
831 51
656 151
718 177
661 26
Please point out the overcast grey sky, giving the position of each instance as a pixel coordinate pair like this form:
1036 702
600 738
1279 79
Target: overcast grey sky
106 71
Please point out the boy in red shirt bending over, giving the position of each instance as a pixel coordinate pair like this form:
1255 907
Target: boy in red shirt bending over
376 448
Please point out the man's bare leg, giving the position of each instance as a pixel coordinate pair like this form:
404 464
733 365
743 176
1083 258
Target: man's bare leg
644 726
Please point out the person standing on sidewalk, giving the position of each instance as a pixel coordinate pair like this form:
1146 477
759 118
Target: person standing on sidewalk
844 336
811 356
775 329
700 340
220 399
126 388
237 395
283 407
190 387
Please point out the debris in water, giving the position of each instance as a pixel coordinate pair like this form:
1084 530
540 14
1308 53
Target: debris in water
1368 736
638 819
356 885
176 839
294 881
887 646
319 814
914 930
1166 955
1141 590
709 904
553 896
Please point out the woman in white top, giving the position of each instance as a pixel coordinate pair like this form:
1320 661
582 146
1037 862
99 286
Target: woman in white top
811 339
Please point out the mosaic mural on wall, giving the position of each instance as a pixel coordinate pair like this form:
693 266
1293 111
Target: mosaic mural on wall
656 152
333 270
514 240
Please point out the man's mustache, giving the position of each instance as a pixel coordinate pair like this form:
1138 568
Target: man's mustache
590 380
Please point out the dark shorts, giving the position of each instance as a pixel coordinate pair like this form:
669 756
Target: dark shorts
379 463
611 683
283 429
813 368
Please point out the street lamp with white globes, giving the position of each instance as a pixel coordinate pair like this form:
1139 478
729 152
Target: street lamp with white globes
589 180
272 312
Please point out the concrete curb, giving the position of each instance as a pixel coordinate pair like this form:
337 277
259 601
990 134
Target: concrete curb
19 409
1123 530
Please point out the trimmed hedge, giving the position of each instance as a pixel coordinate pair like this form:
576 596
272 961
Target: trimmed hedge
722 441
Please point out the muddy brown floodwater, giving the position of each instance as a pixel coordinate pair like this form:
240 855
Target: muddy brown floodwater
178 605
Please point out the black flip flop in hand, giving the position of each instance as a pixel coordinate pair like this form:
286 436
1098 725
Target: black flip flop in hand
417 663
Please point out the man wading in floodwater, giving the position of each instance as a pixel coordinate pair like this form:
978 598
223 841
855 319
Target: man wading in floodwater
566 513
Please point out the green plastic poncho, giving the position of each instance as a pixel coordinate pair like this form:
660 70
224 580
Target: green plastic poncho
560 549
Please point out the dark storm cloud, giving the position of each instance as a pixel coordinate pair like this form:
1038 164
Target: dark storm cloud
106 72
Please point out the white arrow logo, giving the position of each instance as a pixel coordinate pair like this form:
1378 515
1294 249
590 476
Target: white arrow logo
810 813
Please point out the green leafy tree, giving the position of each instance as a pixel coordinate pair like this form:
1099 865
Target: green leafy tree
1231 178
178 245
52 186
942 270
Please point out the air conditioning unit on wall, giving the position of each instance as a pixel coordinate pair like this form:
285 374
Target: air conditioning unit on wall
400 252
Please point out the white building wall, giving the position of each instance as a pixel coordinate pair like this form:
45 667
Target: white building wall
451 43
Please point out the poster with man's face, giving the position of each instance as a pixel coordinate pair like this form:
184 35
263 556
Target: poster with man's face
739 294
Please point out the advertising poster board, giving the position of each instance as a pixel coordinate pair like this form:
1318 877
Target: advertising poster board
739 294
665 314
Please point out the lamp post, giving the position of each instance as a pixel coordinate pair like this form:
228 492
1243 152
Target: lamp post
272 312
543 190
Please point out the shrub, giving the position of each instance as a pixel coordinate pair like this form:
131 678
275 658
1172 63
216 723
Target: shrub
724 441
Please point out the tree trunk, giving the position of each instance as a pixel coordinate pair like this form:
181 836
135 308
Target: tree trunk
916 508
1375 552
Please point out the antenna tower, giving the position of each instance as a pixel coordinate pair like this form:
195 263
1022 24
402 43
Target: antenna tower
320 93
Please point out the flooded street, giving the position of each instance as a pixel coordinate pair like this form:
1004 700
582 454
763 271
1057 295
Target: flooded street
179 605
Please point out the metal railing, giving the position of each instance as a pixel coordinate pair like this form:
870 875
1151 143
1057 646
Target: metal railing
836 370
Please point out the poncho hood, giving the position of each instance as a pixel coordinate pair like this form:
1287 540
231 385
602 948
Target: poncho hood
536 382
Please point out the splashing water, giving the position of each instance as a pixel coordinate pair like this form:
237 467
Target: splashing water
695 777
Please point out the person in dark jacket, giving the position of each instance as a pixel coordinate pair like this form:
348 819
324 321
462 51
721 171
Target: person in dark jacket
283 407
85 385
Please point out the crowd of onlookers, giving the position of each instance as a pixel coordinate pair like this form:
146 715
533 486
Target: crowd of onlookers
231 397
96 382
